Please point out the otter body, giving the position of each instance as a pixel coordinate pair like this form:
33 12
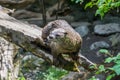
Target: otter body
61 38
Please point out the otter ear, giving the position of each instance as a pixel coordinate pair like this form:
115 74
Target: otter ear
53 25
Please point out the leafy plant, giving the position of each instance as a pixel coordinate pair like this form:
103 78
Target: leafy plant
54 73
111 71
105 51
103 6
21 77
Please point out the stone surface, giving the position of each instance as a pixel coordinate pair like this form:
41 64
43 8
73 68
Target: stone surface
115 39
99 44
82 30
106 29
100 76
98 22
111 19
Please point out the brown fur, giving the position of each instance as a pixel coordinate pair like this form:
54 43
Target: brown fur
70 43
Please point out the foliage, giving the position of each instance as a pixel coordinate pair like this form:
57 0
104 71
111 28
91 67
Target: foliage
93 78
54 74
21 77
111 71
103 6
50 73
41 70
104 51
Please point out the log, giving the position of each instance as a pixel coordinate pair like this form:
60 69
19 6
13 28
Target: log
23 34
19 4
8 69
28 37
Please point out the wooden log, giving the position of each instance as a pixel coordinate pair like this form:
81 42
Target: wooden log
8 69
18 4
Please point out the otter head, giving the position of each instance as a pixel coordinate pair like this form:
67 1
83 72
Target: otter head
57 33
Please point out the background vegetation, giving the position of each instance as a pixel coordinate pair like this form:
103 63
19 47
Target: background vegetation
103 6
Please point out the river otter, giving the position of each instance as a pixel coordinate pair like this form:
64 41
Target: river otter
61 38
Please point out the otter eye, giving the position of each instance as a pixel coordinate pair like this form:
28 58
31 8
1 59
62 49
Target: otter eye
57 35
51 37
65 33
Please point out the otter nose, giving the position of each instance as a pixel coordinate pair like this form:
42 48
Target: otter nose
51 37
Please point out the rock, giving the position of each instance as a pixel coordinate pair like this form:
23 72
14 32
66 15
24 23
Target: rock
98 22
111 19
81 27
82 30
99 44
107 29
115 39
77 24
100 77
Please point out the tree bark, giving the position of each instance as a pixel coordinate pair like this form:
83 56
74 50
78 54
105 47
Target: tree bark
19 4
8 69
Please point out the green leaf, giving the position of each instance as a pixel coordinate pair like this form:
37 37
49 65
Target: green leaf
117 61
108 60
21 78
89 4
116 68
101 68
118 56
115 4
101 2
105 51
110 76
93 66
54 73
